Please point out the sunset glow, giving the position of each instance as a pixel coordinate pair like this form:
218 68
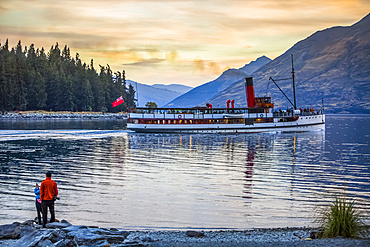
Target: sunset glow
179 41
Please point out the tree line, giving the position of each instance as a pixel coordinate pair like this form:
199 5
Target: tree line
31 79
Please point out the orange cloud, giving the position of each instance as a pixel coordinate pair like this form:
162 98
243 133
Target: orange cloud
178 38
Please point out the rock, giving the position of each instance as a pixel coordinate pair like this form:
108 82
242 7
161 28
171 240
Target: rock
84 236
195 234
147 239
16 230
65 242
57 235
28 223
11 231
64 234
133 244
45 243
316 234
113 237
33 238
58 225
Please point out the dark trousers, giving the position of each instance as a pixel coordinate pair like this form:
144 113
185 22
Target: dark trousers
45 205
39 211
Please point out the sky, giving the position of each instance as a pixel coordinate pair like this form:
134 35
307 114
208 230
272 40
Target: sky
187 42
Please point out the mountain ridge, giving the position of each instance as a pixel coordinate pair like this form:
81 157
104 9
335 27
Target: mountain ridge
331 64
173 87
146 93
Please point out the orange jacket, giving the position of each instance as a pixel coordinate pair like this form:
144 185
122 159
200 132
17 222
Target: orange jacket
48 189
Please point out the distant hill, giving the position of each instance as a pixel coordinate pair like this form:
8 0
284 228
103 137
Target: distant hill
333 64
173 87
200 94
158 94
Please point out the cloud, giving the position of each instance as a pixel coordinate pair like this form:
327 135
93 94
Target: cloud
181 37
215 69
172 56
199 64
3 8
211 67
145 62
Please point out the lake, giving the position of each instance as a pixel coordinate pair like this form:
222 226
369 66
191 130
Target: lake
110 177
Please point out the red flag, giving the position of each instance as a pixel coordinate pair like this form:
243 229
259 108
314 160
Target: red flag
117 102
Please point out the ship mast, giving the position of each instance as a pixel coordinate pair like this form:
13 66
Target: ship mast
293 77
295 102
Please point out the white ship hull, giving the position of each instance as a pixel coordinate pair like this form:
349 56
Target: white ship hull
304 123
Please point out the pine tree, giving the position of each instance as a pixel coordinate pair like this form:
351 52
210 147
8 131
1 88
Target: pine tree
31 80
42 73
20 79
4 77
131 97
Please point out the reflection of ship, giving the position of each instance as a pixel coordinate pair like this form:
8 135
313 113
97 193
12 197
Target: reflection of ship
257 117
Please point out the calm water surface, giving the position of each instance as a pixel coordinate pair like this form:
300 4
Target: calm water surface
113 178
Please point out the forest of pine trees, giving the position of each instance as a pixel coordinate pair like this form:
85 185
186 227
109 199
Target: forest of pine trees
31 79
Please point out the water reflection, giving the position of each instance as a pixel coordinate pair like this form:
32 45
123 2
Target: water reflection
262 164
153 181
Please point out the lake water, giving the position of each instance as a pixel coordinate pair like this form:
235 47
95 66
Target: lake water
109 177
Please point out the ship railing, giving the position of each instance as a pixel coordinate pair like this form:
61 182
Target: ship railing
291 113
311 113
189 111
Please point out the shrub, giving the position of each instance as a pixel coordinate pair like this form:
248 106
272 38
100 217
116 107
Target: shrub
341 219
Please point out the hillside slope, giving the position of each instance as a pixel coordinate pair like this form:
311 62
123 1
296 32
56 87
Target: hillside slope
145 93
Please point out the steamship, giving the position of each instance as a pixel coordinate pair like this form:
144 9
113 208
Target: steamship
258 116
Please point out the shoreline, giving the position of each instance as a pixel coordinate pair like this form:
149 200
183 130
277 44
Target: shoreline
65 234
40 115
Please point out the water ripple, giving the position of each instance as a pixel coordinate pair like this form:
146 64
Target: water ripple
116 178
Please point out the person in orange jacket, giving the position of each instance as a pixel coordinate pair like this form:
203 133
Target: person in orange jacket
48 194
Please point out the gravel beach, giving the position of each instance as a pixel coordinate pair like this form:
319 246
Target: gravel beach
65 234
39 115
258 237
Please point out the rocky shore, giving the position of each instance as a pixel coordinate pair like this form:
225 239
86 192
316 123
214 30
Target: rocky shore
65 234
39 115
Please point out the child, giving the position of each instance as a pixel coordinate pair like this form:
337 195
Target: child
38 203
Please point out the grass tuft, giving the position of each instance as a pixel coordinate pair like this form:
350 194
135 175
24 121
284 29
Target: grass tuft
341 219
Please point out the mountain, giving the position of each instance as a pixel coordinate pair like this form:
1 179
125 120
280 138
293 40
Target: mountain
332 64
201 94
174 87
255 65
159 95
